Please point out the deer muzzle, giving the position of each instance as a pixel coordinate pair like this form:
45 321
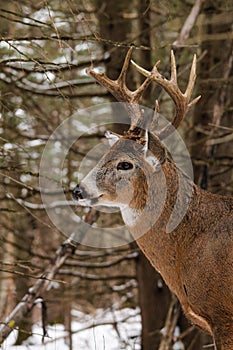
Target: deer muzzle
78 193
84 197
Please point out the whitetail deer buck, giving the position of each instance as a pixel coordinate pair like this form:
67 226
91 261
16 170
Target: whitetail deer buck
196 257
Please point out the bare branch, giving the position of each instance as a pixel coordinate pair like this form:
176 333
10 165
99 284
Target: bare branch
170 324
93 277
28 301
219 140
188 24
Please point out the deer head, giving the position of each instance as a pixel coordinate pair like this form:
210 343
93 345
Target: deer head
114 181
137 159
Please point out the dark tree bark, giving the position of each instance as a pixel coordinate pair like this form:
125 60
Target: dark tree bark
114 28
154 300
213 170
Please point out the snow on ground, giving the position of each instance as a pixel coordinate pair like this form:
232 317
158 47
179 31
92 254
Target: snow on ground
106 330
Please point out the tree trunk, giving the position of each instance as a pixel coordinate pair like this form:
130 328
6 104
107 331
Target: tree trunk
213 169
154 300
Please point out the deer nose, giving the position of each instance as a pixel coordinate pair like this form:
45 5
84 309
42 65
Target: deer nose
77 193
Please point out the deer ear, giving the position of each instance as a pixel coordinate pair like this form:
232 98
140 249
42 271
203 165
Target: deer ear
112 138
152 160
145 141
157 149
149 156
154 151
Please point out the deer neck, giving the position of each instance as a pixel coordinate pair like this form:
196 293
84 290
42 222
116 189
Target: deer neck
157 227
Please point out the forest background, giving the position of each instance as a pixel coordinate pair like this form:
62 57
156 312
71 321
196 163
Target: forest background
45 48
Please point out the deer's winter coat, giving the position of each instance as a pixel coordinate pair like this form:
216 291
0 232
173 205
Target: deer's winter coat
194 253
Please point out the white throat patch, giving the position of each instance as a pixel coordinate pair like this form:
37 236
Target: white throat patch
129 215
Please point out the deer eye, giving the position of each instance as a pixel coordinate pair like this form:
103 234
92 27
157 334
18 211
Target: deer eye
124 166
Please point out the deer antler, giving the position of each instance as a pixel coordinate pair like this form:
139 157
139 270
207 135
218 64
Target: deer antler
181 100
121 92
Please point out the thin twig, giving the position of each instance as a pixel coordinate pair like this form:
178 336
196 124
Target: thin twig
27 303
188 24
170 324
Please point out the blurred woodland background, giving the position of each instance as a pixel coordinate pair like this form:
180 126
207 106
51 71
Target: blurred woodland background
45 48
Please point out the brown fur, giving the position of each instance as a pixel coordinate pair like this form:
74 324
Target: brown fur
196 257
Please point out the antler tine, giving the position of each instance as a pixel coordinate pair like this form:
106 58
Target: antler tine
192 78
155 119
121 92
181 100
173 68
122 77
135 95
116 87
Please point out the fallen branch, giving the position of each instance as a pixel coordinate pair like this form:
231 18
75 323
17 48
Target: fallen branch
28 301
34 293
